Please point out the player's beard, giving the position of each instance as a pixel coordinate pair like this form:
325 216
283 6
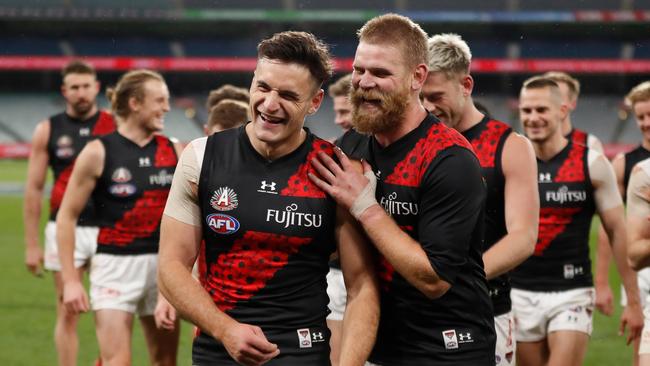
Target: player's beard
390 109
82 107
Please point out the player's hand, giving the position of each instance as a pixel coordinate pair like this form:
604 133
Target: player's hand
75 298
632 318
34 260
350 188
165 314
604 300
248 345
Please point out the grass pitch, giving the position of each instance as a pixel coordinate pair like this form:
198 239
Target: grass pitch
28 308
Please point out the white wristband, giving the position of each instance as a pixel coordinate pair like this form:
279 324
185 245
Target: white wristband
366 197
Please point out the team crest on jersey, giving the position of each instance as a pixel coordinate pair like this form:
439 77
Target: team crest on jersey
224 199
121 175
222 224
64 147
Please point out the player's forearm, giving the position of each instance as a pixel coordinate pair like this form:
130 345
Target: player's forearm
192 302
603 258
509 252
65 238
405 255
360 322
628 276
31 215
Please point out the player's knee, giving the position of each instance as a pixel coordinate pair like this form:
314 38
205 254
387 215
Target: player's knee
67 319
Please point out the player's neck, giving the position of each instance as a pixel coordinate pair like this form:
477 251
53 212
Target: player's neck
470 118
646 144
567 126
271 151
134 131
82 117
547 149
413 116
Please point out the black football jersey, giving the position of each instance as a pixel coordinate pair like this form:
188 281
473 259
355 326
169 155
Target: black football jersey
269 232
131 193
68 136
429 182
487 139
561 258
631 159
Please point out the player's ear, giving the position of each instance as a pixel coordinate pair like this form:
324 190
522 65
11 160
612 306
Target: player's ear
316 101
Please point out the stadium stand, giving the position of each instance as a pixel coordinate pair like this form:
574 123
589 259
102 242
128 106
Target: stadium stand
21 113
220 47
121 46
510 40
35 46
568 48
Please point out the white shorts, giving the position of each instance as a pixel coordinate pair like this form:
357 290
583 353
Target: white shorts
84 247
504 325
539 313
124 282
337 294
643 279
644 345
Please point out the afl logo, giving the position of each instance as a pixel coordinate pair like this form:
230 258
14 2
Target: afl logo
121 175
222 224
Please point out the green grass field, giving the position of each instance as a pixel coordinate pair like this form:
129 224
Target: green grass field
27 305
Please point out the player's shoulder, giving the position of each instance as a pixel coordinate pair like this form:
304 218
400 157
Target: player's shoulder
319 144
498 125
642 166
439 136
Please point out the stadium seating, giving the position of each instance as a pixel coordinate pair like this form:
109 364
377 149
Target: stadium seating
21 113
30 46
120 46
570 49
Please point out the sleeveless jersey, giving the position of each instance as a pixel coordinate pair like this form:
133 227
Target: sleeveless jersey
131 193
631 159
68 136
561 258
578 136
429 182
487 139
269 232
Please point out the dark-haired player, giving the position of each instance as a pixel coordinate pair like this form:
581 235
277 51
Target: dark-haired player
56 143
268 230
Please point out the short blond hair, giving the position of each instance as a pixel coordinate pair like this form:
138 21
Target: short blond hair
341 88
450 54
639 93
543 82
570 81
394 29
